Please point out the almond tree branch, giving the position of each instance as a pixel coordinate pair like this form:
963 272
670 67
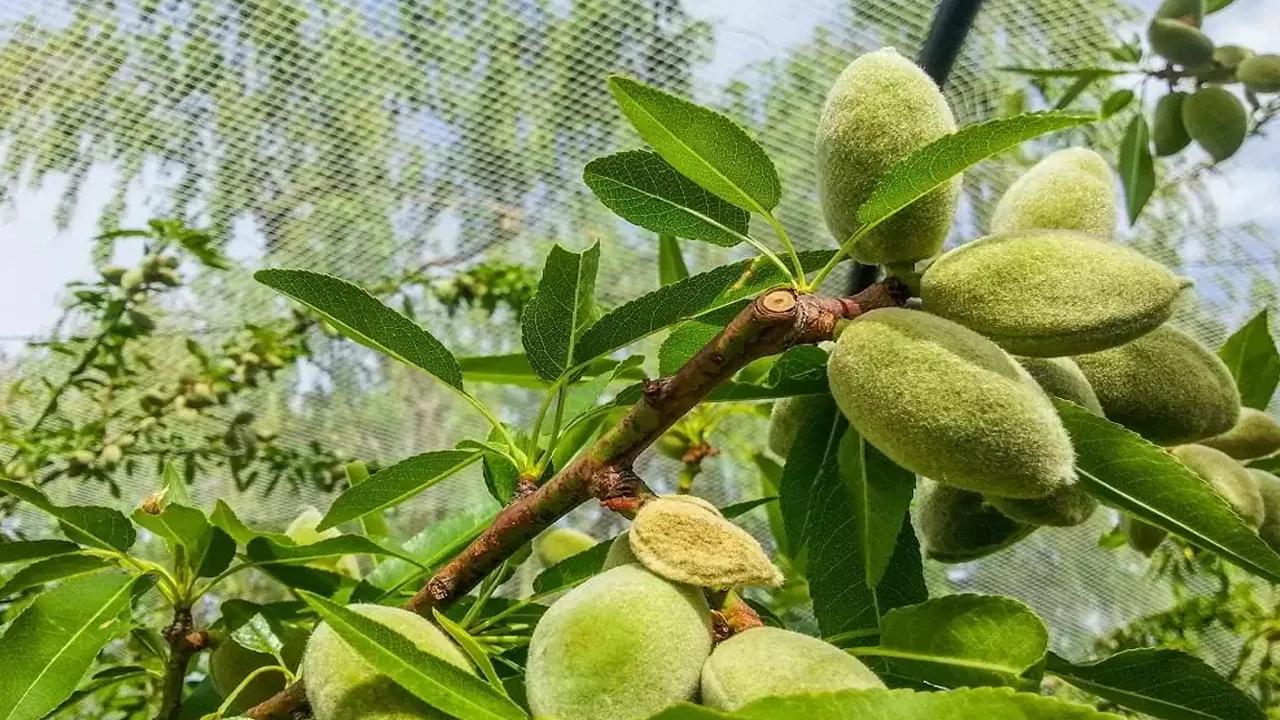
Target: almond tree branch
772 323
184 642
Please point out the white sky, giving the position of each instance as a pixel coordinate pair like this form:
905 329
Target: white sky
38 261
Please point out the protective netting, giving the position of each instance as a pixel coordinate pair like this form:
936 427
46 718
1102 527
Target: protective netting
363 138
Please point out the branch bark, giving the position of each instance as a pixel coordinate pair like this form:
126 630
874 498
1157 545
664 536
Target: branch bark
184 642
772 323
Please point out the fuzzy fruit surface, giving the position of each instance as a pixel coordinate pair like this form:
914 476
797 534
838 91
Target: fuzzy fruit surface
1255 434
1061 377
958 526
1142 536
342 686
1048 293
1269 489
621 646
1260 74
788 416
688 543
1168 134
948 404
769 661
1072 189
1164 386
1217 120
1231 479
1066 507
557 544
1179 43
230 663
881 109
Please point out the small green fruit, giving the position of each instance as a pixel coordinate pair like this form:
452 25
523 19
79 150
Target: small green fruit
946 403
113 274
1179 43
1164 386
1190 12
111 456
1143 537
1066 507
1168 134
621 646
342 686
1048 293
231 663
881 109
557 544
1255 434
1061 377
1269 489
1230 56
1070 189
1260 74
1216 120
131 280
771 662
958 526
789 415
1228 477
303 532
690 542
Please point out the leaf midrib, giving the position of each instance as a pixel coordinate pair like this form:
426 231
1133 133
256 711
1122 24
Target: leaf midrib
878 651
711 221
1093 686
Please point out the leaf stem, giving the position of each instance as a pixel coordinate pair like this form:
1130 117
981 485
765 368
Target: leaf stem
555 430
497 424
785 239
845 248
765 251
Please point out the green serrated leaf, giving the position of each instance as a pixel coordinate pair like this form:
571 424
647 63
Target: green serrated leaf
1081 84
176 489
57 639
961 640
23 550
433 545
1213 6
1116 102
100 527
572 570
472 648
251 628
1125 471
564 304
1250 355
432 680
1137 169
363 318
671 267
395 484
213 554
880 494
643 189
939 161
701 144
51 569
1162 683
686 339
770 481
226 519
265 551
176 525
732 511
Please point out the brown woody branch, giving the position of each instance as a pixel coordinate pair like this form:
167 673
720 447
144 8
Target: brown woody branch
772 323
184 642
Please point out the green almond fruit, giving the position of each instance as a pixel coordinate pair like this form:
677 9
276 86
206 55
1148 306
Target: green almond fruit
1066 507
881 109
797 664
1142 536
1190 12
1269 489
1216 120
620 552
946 403
623 645
788 416
1231 479
557 544
1164 386
1061 377
691 542
341 685
1179 42
1230 56
1168 135
1254 435
959 526
1048 293
1072 189
1260 74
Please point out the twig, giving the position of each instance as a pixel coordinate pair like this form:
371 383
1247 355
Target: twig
184 642
771 324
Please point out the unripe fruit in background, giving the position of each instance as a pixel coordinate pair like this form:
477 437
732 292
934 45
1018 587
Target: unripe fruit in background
112 273
1255 434
958 526
557 544
1216 120
621 646
673 444
1070 189
772 662
1164 386
1061 377
231 663
692 543
1179 43
131 280
1190 12
620 552
1048 293
1269 489
1142 536
1260 74
788 416
1230 56
1231 479
302 531
1067 507
1168 134
946 403
342 686
881 109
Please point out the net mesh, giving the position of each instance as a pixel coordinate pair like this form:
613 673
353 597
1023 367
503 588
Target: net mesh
362 138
